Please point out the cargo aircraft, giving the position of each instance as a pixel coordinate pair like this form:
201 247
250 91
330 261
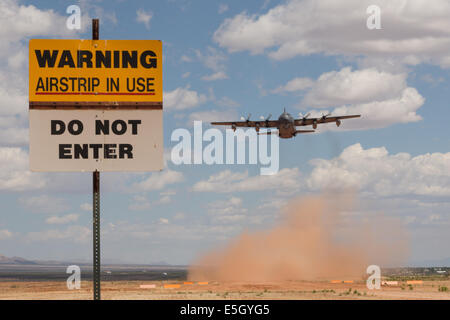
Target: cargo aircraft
286 124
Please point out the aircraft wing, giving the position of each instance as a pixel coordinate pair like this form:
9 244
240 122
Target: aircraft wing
310 121
250 124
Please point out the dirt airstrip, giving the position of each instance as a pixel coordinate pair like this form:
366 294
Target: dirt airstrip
56 290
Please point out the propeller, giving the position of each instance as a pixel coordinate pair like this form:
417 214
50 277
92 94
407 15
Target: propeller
324 116
304 117
266 120
248 117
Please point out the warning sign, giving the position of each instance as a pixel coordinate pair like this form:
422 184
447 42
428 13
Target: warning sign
89 140
95 105
95 70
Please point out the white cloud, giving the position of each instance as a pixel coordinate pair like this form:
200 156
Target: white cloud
5 234
139 203
144 17
233 202
380 97
227 102
414 31
214 60
14 173
78 234
227 211
13 109
62 219
212 115
183 98
168 193
223 8
13 136
44 204
372 171
352 87
272 203
377 172
162 231
18 23
286 180
185 58
159 180
163 221
295 85
21 21
380 114
86 206
265 4
164 200
185 75
219 75
15 176
90 9
179 216
12 91
432 80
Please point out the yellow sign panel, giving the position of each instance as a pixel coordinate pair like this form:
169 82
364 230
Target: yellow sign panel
95 71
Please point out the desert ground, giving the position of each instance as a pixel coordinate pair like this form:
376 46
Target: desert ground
56 290
44 282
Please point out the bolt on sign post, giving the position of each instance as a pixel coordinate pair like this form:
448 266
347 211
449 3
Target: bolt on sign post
95 105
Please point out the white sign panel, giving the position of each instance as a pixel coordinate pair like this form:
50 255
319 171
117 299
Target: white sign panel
89 140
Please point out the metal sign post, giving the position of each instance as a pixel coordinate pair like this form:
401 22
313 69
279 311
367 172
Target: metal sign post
96 206
96 233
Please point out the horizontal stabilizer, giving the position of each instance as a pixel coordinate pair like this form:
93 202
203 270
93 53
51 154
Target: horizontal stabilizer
268 132
304 131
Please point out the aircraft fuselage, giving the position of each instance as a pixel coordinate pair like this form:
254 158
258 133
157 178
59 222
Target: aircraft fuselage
286 126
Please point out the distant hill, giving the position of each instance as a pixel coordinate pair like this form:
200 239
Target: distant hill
432 263
4 260
15 260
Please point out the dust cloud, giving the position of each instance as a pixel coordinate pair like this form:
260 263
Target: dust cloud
317 237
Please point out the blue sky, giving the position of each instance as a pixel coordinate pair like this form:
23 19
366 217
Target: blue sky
223 60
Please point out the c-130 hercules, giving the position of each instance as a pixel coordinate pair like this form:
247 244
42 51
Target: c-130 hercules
286 124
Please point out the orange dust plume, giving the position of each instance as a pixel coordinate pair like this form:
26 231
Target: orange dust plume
317 238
